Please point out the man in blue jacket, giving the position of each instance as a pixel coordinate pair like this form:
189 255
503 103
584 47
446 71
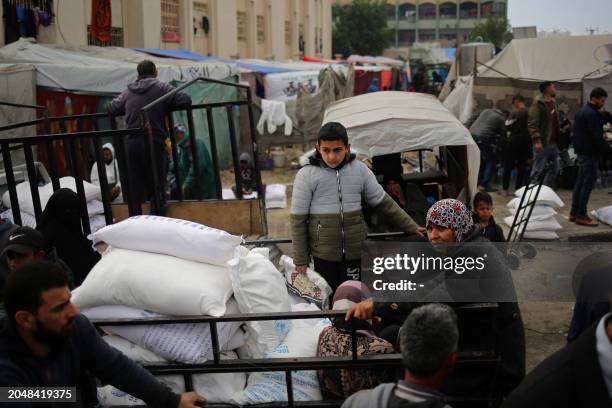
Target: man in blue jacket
589 144
46 342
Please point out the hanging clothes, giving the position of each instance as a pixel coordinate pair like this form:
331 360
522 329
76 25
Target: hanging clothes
101 20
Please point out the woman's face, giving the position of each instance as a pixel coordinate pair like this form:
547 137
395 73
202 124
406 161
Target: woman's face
440 235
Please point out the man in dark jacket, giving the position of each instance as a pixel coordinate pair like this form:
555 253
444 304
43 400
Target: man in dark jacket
577 376
45 342
589 144
487 131
146 89
544 128
517 150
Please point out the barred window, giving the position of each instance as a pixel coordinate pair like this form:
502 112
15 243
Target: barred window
287 33
241 19
170 27
261 29
116 39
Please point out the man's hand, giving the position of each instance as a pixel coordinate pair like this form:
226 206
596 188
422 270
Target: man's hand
421 231
538 147
362 310
191 400
115 192
301 268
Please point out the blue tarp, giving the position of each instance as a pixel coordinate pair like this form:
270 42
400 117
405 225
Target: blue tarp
450 53
194 56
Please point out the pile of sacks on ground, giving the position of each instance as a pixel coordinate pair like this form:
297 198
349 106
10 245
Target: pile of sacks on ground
157 266
542 223
276 195
603 214
93 195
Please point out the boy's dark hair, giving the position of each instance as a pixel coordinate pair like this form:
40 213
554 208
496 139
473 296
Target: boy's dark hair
482 197
518 98
24 287
598 93
544 85
146 68
333 131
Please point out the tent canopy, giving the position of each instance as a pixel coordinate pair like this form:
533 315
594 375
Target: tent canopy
567 59
102 70
391 122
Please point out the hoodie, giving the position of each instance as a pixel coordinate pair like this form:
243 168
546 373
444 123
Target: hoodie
142 92
112 172
73 363
204 185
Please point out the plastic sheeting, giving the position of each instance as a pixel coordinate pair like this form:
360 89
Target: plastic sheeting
460 101
567 59
392 122
102 70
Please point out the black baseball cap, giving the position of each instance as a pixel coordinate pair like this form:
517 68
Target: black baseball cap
24 241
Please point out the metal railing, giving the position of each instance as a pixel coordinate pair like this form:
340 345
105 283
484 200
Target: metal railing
488 357
75 146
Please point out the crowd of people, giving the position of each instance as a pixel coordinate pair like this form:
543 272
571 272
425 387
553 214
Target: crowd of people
537 139
45 341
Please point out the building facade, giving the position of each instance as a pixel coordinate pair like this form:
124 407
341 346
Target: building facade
448 22
265 29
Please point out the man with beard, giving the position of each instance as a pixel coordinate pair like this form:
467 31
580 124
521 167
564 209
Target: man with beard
46 342
112 173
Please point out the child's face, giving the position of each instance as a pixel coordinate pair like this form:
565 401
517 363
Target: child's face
333 152
484 211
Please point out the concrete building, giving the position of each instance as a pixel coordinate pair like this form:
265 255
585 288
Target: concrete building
521 33
449 22
269 29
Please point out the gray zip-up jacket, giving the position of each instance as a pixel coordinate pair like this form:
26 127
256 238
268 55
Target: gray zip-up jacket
326 216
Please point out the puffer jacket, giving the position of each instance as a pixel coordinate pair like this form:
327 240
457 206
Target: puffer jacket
326 217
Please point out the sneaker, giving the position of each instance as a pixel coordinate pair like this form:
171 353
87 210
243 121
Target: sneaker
572 217
586 221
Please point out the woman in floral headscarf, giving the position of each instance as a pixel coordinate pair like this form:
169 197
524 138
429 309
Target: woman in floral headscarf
452 232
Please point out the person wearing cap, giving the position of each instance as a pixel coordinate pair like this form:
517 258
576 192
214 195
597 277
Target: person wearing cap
26 245
200 185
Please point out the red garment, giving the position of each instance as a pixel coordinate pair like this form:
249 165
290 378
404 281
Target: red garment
101 19
554 121
385 80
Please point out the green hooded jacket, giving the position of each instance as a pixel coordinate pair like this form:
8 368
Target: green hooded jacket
540 123
201 189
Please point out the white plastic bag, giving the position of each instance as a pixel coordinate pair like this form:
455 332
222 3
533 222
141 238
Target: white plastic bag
260 288
216 388
160 283
547 196
539 212
170 236
185 343
302 341
540 235
310 286
604 214
549 224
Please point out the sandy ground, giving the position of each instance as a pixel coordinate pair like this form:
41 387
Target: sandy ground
546 323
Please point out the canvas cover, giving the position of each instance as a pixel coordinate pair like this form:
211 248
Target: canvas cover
102 70
391 122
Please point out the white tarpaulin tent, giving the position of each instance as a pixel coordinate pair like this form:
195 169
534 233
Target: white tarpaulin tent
567 59
392 122
101 70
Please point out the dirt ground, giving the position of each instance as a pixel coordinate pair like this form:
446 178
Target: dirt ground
546 323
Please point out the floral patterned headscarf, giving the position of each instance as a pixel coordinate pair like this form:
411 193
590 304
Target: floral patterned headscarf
450 213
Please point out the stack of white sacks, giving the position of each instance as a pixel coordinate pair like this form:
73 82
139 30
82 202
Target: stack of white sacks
542 223
158 266
93 196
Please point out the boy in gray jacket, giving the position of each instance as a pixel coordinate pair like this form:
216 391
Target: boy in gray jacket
429 339
326 216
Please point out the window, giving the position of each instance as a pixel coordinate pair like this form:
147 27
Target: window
170 27
241 19
261 29
448 10
468 10
407 11
486 9
427 11
287 33
116 39
499 9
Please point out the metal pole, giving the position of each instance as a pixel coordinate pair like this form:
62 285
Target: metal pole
10 181
213 152
106 197
33 180
51 153
194 150
396 23
150 150
79 186
175 159
234 146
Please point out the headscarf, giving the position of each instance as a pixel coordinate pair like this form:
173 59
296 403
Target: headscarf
60 224
348 294
453 214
